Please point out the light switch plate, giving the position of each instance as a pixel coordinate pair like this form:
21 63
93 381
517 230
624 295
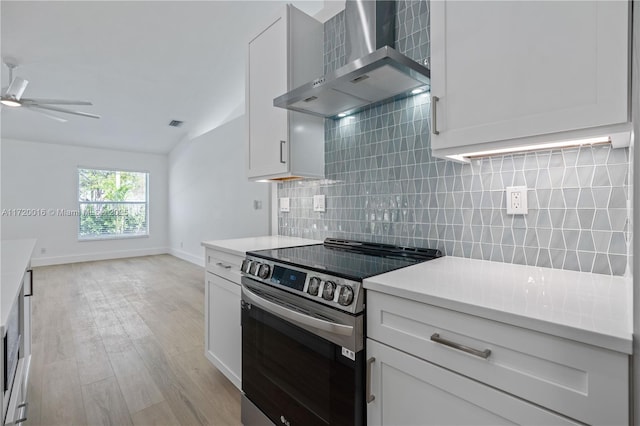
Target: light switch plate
319 203
284 204
517 200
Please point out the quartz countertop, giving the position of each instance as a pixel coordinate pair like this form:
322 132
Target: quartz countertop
589 308
16 260
239 246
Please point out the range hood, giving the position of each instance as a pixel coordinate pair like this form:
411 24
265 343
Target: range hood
375 72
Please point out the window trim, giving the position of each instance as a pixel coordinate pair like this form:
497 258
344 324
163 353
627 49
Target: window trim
117 236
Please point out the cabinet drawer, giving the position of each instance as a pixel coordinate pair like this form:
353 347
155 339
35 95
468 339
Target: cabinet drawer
409 391
224 264
584 382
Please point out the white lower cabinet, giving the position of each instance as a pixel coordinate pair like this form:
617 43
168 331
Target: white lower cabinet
222 315
438 366
410 391
17 406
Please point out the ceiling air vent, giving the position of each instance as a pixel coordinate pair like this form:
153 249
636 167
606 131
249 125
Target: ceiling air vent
175 123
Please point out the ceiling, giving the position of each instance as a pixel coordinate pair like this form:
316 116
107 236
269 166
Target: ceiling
141 63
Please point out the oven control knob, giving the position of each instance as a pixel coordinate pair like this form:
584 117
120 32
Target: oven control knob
314 286
329 290
245 265
253 270
346 296
263 271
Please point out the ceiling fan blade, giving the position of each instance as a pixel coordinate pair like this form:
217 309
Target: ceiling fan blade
66 111
32 101
16 88
54 117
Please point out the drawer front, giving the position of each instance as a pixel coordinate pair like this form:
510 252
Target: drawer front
405 390
584 382
224 264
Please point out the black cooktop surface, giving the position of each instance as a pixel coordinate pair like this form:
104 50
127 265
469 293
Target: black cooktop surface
349 259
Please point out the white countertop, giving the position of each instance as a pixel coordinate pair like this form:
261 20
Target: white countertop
590 308
239 246
16 259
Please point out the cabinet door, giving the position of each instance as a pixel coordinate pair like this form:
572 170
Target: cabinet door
223 339
504 70
16 409
267 79
410 391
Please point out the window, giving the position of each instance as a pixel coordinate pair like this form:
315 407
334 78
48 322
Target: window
112 204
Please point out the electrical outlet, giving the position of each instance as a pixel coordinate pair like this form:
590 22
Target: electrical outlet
348 353
181 244
319 203
517 200
284 204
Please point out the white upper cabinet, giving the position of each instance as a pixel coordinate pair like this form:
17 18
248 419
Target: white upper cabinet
285 53
512 73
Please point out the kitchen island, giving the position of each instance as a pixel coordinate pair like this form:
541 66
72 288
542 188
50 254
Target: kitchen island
16 260
16 287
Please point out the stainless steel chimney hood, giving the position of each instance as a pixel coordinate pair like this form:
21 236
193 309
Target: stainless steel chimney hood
375 73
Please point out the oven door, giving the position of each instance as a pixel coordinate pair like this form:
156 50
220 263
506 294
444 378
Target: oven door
293 375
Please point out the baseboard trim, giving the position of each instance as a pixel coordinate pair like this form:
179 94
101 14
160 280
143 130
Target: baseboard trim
89 257
181 254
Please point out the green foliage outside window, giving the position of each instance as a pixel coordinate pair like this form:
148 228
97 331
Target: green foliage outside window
112 203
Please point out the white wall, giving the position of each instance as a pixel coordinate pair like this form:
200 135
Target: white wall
210 197
44 176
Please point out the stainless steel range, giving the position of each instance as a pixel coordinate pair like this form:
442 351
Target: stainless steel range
303 358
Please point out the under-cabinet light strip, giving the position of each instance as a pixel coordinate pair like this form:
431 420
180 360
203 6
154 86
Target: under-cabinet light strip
533 147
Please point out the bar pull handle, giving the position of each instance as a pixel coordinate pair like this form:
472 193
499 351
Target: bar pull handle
370 397
22 419
434 115
482 354
281 152
294 316
30 271
222 265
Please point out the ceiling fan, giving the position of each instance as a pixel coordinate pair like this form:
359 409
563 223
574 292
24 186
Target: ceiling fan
12 97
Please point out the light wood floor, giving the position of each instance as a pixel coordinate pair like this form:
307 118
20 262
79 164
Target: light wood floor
121 343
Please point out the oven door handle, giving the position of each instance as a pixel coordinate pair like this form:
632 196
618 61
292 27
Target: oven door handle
296 317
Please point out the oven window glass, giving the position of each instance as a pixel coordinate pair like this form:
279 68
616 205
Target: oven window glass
292 374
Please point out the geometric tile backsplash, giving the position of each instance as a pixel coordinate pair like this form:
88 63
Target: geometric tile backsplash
383 185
